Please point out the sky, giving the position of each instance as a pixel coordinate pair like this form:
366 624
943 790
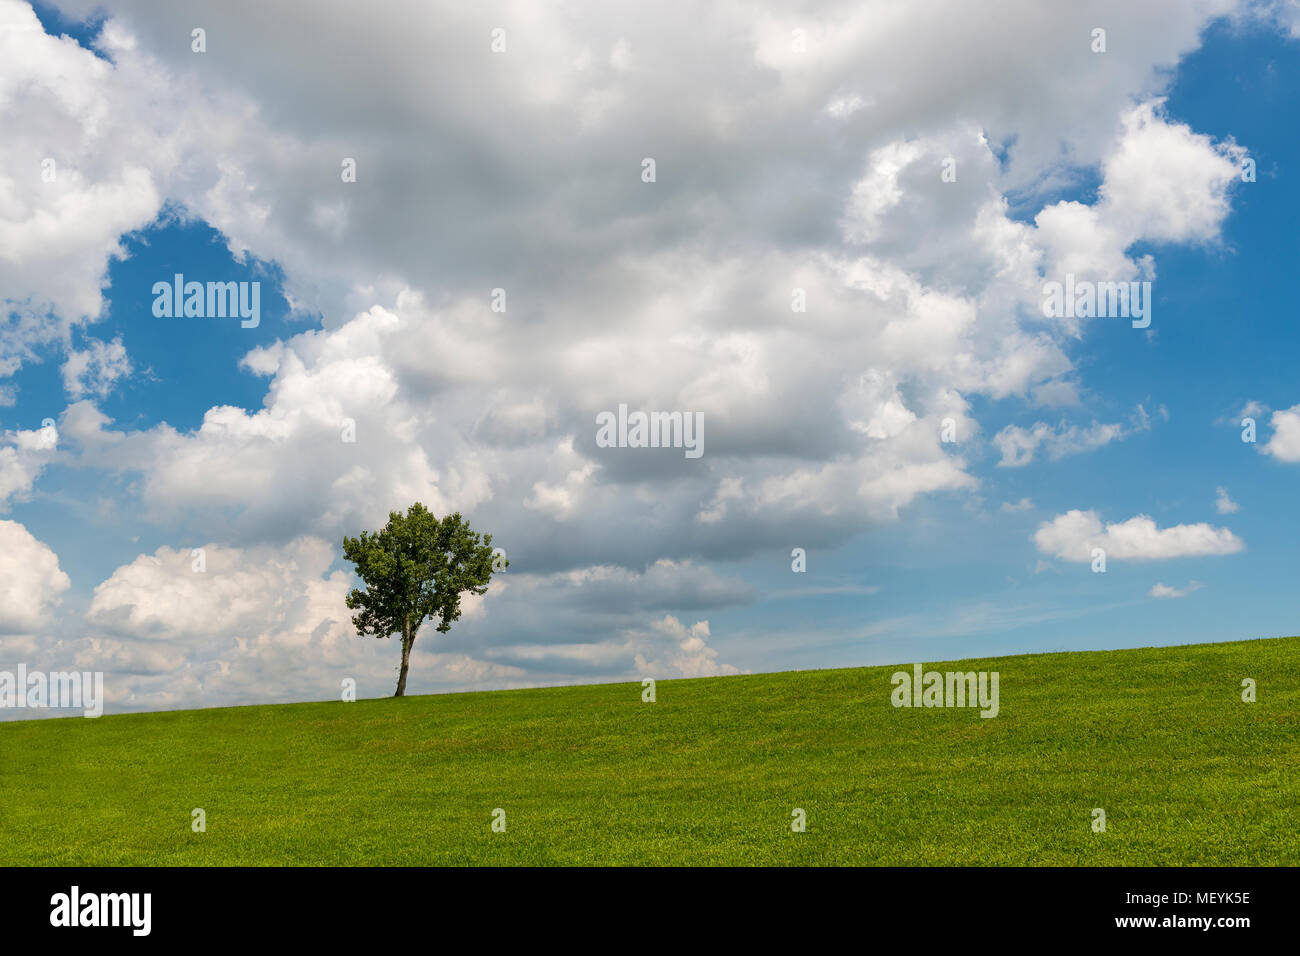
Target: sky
839 265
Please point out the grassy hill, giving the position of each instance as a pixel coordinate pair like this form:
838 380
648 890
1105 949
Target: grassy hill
709 774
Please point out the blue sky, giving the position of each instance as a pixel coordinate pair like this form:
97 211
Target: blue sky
623 566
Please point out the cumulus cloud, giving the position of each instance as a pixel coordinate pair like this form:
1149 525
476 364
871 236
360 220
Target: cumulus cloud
781 175
1284 445
1019 445
1161 182
333 448
1224 504
24 454
94 370
284 470
1072 537
31 581
584 76
1166 183
682 651
78 176
913 285
217 625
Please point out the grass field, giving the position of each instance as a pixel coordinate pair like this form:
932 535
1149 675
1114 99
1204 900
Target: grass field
708 774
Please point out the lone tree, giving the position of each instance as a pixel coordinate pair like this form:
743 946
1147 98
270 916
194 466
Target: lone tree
416 567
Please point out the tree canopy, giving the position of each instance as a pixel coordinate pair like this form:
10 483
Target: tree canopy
415 569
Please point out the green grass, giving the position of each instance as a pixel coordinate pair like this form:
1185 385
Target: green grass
1159 738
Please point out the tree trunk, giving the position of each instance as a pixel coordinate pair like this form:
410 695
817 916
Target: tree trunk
407 640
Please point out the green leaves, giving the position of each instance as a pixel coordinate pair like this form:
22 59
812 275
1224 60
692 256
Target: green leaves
416 568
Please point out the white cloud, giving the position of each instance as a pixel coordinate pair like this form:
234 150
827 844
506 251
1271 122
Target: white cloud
562 499
24 454
670 649
265 623
94 370
1284 445
256 625
78 174
921 294
1223 504
31 581
1286 13
914 299
1160 182
286 469
1166 591
1019 445
1166 183
1073 535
